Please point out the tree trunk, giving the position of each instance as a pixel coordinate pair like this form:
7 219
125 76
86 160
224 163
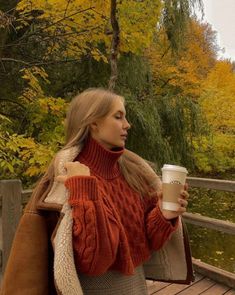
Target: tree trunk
114 46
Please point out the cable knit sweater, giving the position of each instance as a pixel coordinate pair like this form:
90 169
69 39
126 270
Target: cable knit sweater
114 227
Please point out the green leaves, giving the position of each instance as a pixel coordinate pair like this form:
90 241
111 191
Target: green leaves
176 16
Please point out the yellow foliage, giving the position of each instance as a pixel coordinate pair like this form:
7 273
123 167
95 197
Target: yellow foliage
216 153
31 75
138 24
218 99
83 25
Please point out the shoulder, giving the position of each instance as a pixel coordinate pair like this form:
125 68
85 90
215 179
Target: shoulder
46 184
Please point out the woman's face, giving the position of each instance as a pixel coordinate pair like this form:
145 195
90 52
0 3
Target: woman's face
111 131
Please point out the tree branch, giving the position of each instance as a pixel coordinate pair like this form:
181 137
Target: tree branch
13 116
42 63
67 7
12 101
48 38
14 60
50 25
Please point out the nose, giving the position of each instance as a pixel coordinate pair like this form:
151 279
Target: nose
127 125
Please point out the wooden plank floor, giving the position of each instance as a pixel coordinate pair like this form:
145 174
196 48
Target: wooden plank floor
202 285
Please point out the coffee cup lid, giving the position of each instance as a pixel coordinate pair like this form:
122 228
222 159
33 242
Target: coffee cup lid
170 167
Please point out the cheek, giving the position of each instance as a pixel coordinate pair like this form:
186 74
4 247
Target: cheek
116 127
111 129
111 133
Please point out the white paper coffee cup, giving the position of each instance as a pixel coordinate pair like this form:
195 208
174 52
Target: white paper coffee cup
173 180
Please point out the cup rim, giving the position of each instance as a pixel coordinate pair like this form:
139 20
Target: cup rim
170 167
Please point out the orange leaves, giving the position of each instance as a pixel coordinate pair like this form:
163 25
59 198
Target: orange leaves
184 73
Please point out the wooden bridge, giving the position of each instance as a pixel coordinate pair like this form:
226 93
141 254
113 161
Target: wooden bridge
209 280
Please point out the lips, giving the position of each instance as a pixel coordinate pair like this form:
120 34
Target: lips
124 136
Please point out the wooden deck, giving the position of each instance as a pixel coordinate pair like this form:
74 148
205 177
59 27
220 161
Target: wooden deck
201 285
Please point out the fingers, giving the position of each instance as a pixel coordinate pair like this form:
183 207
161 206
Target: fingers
186 186
183 203
61 178
184 194
181 210
73 169
67 165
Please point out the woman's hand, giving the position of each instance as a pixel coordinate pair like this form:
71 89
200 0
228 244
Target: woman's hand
182 200
73 169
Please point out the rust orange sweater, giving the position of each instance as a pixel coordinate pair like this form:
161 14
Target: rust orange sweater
114 228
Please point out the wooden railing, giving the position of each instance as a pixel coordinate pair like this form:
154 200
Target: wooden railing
197 219
13 198
205 269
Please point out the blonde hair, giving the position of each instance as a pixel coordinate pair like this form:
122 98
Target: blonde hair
84 109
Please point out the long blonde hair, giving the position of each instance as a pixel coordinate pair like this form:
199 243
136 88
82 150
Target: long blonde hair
84 109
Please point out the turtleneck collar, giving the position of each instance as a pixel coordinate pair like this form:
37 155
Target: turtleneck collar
100 160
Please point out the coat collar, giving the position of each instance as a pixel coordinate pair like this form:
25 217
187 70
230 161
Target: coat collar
58 195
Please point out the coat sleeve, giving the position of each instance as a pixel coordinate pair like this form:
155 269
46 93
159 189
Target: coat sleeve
95 229
27 267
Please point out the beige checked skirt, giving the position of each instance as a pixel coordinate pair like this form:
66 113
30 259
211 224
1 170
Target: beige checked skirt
114 283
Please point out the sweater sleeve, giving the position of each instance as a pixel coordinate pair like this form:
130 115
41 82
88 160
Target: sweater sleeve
158 228
95 230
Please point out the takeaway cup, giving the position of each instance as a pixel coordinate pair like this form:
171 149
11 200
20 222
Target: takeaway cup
173 180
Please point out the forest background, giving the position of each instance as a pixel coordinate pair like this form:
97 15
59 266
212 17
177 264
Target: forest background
180 97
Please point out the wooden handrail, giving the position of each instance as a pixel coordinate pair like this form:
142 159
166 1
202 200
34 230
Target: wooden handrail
208 222
26 195
192 218
209 183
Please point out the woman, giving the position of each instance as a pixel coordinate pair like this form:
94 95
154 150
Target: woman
95 217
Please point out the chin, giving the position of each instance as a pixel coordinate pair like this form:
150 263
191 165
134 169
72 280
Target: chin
119 145
122 143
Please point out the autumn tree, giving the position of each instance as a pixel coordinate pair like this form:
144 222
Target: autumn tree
215 152
183 73
72 42
176 81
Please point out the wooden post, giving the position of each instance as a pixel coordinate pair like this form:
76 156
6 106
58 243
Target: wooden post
10 191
